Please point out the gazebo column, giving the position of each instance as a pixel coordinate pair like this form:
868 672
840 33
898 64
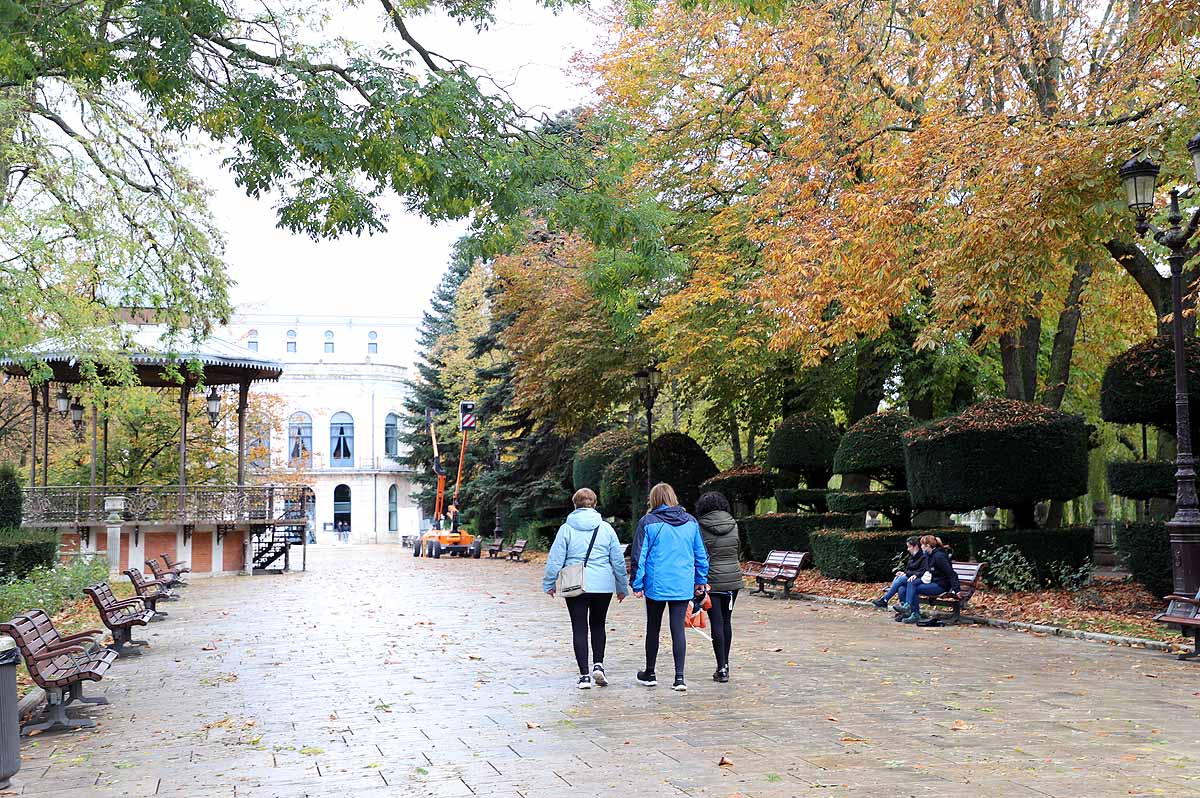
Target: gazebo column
243 397
183 425
33 447
45 433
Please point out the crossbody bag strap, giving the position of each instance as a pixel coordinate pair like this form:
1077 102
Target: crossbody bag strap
588 556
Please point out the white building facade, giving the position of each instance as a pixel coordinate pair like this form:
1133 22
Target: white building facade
341 397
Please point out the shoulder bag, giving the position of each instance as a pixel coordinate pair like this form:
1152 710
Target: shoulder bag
572 579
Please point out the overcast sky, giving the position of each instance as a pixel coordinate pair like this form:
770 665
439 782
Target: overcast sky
393 273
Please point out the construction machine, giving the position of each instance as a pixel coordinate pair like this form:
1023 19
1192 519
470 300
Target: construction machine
454 541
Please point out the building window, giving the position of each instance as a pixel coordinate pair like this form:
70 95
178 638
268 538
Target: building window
372 335
329 335
300 440
291 333
393 509
391 435
291 346
329 346
252 340
341 440
252 346
372 348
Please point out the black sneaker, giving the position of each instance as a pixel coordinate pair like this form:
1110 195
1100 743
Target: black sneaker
912 618
722 674
900 609
680 685
647 678
880 603
598 675
585 683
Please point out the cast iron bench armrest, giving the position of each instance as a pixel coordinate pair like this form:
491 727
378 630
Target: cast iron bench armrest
129 602
80 636
52 653
1185 599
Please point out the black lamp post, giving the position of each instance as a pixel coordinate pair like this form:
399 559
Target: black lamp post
62 402
214 406
649 380
1139 174
77 418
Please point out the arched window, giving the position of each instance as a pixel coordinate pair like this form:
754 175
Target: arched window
329 340
341 440
300 440
391 435
393 509
252 342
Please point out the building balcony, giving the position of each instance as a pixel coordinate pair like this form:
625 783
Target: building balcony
150 505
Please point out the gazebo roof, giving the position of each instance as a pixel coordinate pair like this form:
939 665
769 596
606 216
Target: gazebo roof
224 362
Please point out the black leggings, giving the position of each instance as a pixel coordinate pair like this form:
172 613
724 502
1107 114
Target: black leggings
721 618
588 611
654 613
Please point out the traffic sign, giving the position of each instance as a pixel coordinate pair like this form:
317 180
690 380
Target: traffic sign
466 415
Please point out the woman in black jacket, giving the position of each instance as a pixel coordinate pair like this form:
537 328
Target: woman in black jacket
942 578
720 533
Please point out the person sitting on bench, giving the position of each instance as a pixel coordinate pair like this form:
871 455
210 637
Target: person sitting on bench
915 565
939 577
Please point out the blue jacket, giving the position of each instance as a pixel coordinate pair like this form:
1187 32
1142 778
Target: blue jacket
668 555
605 568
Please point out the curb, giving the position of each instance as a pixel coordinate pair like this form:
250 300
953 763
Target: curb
1020 626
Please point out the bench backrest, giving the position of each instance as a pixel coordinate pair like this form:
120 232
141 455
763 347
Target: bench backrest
775 557
140 584
792 562
155 568
1183 609
167 560
34 632
970 576
519 545
496 544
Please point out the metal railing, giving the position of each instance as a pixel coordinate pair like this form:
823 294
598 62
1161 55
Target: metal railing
155 504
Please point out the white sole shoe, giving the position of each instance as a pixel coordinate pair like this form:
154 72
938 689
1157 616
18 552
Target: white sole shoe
599 678
679 688
584 685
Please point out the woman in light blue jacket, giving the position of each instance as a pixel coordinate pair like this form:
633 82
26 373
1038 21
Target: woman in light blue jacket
604 574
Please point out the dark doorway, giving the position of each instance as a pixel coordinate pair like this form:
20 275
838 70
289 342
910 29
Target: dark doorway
341 506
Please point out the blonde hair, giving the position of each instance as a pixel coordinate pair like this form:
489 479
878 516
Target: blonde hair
584 497
661 494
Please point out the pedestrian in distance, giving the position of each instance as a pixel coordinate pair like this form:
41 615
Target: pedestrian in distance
917 563
938 578
587 540
670 567
723 545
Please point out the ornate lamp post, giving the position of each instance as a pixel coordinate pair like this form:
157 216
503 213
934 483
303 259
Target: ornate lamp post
62 402
214 406
649 380
1139 175
77 418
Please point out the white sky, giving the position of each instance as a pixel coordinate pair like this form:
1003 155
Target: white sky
393 274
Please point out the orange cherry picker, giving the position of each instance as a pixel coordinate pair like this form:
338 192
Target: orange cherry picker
453 541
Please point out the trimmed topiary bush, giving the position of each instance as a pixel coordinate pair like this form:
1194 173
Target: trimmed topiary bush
869 555
792 499
1051 552
803 446
1139 384
677 460
892 503
1142 479
22 550
598 453
11 498
1000 452
789 531
742 486
874 446
1146 551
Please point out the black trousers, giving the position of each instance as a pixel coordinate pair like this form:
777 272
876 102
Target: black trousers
654 614
720 617
588 612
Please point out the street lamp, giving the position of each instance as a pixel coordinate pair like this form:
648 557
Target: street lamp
214 406
77 415
1139 174
62 402
648 381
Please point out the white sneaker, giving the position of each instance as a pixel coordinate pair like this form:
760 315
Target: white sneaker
598 675
680 685
585 683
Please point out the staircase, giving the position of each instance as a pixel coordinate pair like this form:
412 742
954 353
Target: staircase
271 543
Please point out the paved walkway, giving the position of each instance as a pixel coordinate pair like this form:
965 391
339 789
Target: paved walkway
377 674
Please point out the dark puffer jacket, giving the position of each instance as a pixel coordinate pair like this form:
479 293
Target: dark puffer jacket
720 534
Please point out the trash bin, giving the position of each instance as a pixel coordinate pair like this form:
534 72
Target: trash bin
10 730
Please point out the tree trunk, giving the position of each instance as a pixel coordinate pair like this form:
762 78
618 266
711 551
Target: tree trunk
1064 337
735 442
871 367
751 451
1012 364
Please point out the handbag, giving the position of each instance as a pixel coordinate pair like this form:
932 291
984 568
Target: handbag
572 580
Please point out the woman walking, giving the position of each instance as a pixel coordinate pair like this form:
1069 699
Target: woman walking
720 533
586 539
670 568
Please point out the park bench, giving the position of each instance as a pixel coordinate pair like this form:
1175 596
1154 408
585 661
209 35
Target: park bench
753 568
780 568
517 552
120 616
970 578
59 664
495 547
177 567
1184 612
150 591
170 579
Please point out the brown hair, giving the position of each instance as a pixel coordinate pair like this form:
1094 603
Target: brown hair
932 540
584 497
661 494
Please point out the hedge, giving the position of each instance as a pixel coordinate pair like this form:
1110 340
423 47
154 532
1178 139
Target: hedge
874 446
789 531
868 555
50 589
742 485
1000 452
677 460
889 502
593 457
22 550
789 499
804 445
1136 479
11 498
1146 551
1139 384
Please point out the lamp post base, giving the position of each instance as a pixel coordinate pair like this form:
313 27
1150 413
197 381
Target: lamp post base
1184 534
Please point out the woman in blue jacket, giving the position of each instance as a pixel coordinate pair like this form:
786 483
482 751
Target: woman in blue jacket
604 574
670 567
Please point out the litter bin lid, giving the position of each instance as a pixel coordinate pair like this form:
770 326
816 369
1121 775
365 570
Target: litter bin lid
7 643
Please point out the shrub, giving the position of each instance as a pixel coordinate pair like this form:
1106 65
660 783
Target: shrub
791 499
11 498
789 531
1139 384
874 446
1142 479
870 555
1000 452
22 550
619 487
1146 551
1008 569
540 534
50 589
742 486
804 445
593 457
892 503
1051 552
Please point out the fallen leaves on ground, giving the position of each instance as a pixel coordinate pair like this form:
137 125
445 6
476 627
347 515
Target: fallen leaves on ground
725 762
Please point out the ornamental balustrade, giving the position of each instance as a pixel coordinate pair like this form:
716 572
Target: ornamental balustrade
202 504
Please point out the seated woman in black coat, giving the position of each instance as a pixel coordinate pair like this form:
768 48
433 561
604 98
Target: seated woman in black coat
939 576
